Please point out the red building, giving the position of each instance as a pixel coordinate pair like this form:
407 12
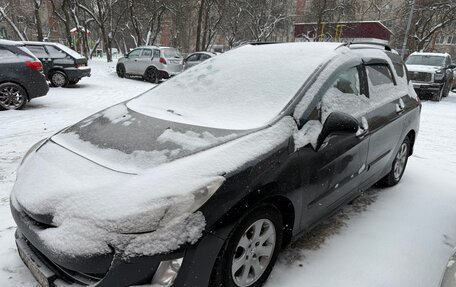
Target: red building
343 31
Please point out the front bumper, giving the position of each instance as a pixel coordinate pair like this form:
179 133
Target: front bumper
113 269
427 87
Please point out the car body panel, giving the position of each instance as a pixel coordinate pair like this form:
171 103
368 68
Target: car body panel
306 183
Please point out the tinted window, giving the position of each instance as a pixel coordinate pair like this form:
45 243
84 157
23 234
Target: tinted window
147 53
193 58
38 51
204 57
54 52
380 75
134 53
400 70
6 54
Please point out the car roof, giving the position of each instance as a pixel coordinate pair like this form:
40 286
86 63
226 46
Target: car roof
150 47
10 43
205 52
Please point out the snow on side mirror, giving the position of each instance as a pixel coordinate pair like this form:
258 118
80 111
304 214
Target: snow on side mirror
337 122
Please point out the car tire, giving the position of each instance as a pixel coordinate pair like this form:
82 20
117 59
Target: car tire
12 96
73 82
447 90
58 79
399 165
151 75
120 70
241 251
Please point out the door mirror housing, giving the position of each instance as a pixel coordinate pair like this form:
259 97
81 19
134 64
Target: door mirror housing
337 122
452 66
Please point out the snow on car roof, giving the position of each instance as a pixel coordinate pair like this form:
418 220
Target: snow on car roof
245 88
9 42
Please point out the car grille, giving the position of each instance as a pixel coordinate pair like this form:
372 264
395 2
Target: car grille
67 275
420 76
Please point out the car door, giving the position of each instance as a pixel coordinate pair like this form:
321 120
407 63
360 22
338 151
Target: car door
42 55
131 61
59 58
144 61
192 60
384 120
332 172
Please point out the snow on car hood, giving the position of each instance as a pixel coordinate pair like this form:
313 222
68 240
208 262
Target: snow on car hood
423 68
123 140
95 206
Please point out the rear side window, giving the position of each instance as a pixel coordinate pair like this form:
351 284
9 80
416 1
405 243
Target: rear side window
204 57
38 51
55 53
147 53
156 53
4 54
400 70
380 75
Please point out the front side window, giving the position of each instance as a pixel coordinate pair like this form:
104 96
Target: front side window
193 58
134 53
344 95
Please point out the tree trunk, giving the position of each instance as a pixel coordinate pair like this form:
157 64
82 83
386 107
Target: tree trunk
199 24
39 28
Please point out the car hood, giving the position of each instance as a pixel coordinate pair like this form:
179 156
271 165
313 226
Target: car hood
124 140
423 68
118 173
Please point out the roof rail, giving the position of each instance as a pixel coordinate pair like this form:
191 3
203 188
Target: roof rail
386 46
263 43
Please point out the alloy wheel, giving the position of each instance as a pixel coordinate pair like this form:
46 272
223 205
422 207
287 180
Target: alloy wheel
401 160
58 79
11 98
253 253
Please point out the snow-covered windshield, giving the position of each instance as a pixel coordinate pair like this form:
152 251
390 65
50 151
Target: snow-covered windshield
69 51
426 60
171 53
242 89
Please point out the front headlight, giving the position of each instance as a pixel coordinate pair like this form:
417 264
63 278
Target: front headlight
33 149
167 272
439 75
203 194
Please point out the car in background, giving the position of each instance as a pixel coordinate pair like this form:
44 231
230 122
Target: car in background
453 88
449 276
151 63
62 65
202 180
196 58
21 76
431 74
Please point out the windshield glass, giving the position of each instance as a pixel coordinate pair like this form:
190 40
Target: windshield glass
69 51
171 53
242 89
426 60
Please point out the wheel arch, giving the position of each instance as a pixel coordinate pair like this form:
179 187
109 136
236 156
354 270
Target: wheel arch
20 85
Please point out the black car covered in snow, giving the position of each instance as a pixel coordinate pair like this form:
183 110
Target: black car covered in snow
62 65
21 76
202 180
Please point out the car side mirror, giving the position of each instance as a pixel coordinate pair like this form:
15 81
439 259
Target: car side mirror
452 66
337 122
126 56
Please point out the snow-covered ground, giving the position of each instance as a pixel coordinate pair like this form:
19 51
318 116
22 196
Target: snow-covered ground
402 236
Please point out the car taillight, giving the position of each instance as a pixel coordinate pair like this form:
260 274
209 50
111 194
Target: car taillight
35 65
162 60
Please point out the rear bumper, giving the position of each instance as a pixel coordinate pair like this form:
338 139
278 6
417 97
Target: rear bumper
37 87
77 73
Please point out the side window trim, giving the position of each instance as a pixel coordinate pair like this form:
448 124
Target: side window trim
364 83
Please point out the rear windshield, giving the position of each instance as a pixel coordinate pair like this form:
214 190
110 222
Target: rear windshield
69 51
171 53
245 88
436 61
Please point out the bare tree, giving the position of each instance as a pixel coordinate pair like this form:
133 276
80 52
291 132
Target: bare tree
38 24
4 15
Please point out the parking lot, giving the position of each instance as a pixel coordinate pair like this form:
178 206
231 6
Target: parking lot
401 236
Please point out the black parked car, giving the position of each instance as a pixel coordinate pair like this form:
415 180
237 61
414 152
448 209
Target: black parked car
21 76
62 65
203 179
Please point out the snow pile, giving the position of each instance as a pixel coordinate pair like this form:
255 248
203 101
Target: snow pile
91 204
245 88
308 134
191 140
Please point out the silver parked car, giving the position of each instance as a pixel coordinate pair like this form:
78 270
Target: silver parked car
151 62
196 58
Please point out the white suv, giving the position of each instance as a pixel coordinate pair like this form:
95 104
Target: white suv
151 62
